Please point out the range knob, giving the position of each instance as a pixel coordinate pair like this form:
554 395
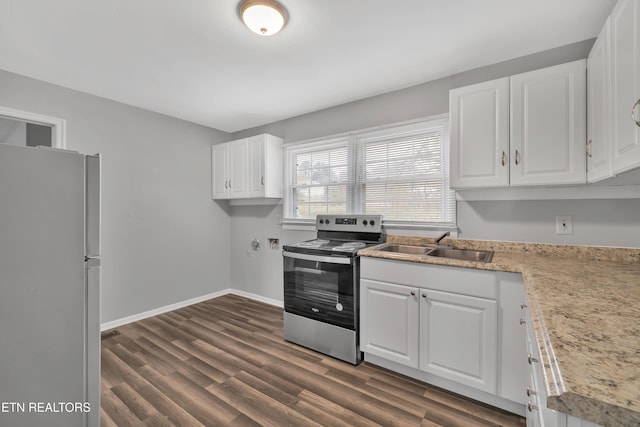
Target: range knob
322 221
364 222
372 223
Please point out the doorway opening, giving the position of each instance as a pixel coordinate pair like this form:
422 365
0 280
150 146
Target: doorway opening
28 129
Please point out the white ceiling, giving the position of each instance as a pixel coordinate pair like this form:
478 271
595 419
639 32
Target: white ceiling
193 59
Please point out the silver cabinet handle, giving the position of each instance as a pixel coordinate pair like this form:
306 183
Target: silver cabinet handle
531 407
262 180
633 113
530 392
504 158
523 306
517 157
226 184
413 293
229 183
531 359
523 322
589 144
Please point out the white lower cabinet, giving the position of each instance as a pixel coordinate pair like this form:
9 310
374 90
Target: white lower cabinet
459 338
538 414
457 328
389 321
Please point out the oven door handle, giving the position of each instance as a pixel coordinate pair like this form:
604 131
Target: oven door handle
318 258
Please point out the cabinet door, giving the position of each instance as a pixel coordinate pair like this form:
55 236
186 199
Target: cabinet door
625 32
548 125
220 171
598 106
238 152
513 372
256 166
458 338
479 117
389 321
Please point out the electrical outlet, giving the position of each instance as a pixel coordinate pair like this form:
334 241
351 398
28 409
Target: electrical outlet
564 225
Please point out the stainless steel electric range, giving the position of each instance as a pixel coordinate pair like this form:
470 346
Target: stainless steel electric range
321 284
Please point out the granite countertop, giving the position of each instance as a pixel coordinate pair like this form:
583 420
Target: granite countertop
584 302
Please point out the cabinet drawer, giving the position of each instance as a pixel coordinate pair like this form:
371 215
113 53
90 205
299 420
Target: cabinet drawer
466 281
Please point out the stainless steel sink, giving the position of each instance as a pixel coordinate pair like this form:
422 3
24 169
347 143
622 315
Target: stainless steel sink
406 249
439 252
462 254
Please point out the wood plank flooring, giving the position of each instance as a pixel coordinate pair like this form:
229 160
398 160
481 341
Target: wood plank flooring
223 362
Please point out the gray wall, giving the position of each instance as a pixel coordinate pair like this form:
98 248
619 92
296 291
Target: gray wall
595 222
163 239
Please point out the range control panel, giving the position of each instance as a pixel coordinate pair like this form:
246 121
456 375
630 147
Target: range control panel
356 223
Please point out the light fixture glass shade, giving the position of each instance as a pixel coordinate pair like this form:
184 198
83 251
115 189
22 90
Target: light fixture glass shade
263 17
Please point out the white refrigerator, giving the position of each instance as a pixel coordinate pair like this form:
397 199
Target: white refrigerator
49 287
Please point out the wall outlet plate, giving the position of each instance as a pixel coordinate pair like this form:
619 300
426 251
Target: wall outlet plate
564 225
274 243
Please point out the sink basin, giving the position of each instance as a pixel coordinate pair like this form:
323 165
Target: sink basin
406 249
462 254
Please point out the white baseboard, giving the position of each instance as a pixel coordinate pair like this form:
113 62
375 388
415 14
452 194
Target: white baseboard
160 310
257 297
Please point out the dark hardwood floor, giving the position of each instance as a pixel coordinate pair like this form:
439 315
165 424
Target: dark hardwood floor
224 362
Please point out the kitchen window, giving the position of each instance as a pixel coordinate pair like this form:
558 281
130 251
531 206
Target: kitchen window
399 171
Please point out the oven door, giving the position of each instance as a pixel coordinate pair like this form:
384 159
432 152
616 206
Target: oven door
321 288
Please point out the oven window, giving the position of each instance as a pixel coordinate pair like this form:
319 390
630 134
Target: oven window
321 291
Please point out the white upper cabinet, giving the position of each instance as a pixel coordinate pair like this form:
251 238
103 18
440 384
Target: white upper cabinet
479 117
598 107
248 168
548 125
229 170
238 168
220 171
527 129
625 79
265 166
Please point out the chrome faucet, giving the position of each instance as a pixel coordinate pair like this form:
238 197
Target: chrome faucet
442 236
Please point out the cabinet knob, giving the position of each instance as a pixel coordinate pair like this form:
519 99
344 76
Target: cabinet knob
504 158
633 113
531 407
517 157
522 322
413 293
424 295
531 359
530 392
523 306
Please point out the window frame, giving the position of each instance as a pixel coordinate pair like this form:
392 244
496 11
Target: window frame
353 141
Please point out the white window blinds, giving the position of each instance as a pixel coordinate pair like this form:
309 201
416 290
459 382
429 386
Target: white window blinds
400 172
403 174
319 180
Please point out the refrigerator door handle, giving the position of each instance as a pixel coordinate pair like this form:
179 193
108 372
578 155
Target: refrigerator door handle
92 208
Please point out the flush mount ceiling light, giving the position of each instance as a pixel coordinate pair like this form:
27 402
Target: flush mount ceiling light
263 17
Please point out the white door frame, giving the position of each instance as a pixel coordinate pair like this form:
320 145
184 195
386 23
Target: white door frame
59 126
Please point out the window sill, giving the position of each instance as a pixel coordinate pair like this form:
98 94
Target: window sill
390 227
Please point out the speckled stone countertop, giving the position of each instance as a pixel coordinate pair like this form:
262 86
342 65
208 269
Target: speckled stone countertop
584 302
